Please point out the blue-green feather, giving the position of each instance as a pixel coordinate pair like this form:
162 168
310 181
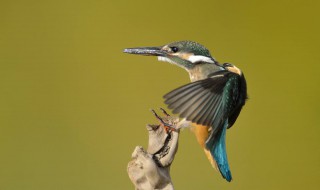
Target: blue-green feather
217 147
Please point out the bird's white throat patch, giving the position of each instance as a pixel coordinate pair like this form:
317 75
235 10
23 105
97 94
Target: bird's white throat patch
165 59
199 58
191 58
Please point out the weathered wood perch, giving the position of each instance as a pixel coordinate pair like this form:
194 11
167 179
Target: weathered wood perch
151 169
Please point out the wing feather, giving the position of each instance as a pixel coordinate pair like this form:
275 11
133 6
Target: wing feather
202 101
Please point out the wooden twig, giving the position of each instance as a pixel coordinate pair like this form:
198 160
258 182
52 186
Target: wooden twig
151 169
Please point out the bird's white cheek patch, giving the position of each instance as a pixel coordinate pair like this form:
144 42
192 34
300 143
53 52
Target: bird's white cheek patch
199 58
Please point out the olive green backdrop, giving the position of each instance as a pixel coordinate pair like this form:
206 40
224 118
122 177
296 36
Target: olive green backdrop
73 106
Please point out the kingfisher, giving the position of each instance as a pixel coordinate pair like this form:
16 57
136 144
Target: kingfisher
211 103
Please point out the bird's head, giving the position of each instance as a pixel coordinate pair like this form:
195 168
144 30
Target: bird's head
185 54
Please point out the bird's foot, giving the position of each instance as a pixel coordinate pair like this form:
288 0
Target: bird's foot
167 126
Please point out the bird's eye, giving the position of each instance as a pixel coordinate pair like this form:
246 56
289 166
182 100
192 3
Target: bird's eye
174 49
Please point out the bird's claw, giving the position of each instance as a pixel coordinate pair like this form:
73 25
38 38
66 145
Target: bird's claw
164 112
168 127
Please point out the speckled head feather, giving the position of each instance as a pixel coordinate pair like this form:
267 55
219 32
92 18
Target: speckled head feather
191 47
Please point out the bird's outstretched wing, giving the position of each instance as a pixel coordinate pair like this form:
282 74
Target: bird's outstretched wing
208 102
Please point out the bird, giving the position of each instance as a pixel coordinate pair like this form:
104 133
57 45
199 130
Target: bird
211 102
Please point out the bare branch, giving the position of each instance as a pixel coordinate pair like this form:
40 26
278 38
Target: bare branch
151 169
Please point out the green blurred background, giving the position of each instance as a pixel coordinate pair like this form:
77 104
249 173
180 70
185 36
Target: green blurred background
73 106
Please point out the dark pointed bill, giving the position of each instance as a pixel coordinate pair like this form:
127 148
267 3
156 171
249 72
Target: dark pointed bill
151 51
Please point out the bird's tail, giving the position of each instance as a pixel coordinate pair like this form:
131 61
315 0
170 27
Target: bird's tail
217 147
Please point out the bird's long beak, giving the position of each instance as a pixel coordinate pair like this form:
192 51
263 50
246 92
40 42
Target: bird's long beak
149 51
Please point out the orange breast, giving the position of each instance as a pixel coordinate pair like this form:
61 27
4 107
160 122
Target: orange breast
202 132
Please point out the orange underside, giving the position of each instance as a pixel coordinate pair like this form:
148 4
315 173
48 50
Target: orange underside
201 132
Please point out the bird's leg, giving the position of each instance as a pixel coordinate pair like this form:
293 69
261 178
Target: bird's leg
183 124
168 127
